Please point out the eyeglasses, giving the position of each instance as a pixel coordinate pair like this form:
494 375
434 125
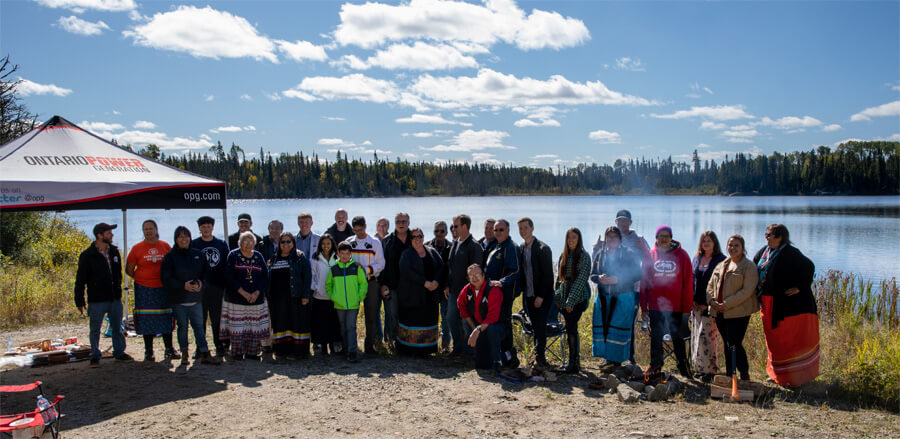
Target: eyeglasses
441 231
417 236
499 230
664 236
401 221
453 226
770 235
287 242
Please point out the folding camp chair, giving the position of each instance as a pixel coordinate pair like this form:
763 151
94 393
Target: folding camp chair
684 330
556 332
38 420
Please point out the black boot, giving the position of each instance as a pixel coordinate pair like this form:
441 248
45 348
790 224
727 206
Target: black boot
574 364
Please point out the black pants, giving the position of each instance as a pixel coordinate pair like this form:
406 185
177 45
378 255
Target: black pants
538 318
733 331
372 310
506 341
571 322
212 313
662 323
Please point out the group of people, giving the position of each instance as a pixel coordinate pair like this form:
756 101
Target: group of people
290 293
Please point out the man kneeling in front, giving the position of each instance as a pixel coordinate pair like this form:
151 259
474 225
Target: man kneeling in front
479 306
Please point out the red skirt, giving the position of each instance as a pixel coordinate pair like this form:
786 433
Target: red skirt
793 346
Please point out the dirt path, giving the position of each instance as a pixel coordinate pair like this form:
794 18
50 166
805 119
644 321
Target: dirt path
395 397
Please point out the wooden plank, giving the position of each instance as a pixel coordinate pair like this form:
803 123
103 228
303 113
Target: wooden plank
722 392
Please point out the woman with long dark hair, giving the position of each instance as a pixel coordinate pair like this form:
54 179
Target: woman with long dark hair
732 296
572 292
152 312
417 297
615 271
326 329
288 297
704 335
789 312
182 271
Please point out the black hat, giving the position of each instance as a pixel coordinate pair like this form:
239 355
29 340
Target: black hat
103 227
244 216
623 214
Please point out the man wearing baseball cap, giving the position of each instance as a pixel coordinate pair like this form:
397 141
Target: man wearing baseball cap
100 270
244 224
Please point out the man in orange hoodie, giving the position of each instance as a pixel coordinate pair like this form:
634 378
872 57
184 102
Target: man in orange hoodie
666 294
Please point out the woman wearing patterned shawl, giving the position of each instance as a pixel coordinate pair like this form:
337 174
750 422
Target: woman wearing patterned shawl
788 309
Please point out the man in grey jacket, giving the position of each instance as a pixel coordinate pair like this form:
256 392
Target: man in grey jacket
464 252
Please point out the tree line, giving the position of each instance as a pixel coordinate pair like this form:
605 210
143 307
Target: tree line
853 168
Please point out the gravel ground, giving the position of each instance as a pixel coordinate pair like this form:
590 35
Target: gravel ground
396 397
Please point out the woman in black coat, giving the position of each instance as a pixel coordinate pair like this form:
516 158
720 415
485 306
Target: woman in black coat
290 278
788 309
418 286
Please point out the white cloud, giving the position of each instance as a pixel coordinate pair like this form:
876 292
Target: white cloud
889 109
80 6
831 127
697 87
788 122
470 140
78 26
246 97
356 86
203 33
232 129
100 126
302 50
463 115
702 145
740 133
485 157
718 112
602 136
373 24
545 156
430 118
28 88
141 138
334 142
144 125
209 98
893 138
426 134
491 88
332 118
710 125
522 123
632 64
419 56
273 96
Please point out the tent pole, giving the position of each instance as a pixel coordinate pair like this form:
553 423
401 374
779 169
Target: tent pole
225 223
124 255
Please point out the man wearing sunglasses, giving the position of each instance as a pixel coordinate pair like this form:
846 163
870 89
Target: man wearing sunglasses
464 252
394 245
442 245
502 270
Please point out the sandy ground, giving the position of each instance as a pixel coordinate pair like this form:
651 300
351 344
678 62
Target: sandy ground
396 397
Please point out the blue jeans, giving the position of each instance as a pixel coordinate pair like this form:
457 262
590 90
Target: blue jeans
347 320
390 317
96 311
194 314
459 331
487 348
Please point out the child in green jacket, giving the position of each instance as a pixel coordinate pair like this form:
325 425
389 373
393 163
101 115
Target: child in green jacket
346 286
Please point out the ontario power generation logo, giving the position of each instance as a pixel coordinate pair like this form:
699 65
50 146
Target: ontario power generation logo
103 164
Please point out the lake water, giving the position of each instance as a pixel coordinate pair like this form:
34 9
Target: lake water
854 234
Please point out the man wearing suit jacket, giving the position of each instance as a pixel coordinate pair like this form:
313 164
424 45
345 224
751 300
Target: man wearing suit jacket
464 252
536 284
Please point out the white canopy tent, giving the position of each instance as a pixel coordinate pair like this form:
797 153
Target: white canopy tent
60 166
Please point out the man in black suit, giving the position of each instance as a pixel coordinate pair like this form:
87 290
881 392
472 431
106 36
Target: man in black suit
536 284
464 252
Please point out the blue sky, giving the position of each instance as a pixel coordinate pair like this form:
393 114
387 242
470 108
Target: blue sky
526 83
